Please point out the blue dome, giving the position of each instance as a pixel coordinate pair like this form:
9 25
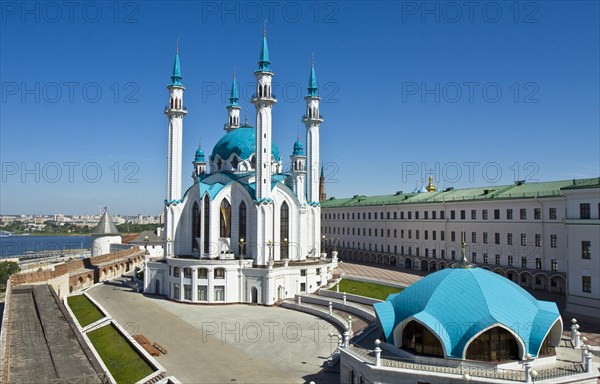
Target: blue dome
199 155
457 304
298 148
242 142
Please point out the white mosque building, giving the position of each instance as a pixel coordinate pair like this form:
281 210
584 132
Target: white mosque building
244 231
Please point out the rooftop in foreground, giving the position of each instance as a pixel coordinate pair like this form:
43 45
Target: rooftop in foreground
43 343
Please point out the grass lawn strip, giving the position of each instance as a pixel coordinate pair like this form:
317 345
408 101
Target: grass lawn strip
122 360
361 288
85 311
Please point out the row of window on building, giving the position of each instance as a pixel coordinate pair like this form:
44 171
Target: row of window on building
584 214
218 292
202 273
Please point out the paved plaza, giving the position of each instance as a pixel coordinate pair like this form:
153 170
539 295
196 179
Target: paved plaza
225 343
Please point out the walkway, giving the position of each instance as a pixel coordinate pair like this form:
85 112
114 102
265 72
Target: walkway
225 343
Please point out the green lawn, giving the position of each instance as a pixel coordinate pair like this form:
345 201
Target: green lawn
85 311
121 359
375 291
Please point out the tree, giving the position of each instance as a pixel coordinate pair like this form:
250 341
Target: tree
8 268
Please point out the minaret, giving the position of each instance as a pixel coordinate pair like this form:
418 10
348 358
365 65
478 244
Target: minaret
263 100
322 194
199 163
233 108
298 171
312 120
175 113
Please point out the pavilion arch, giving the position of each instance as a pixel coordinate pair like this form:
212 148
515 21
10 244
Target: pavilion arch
80 282
499 271
442 265
399 333
424 266
379 259
552 337
408 263
393 261
386 259
88 279
560 283
520 344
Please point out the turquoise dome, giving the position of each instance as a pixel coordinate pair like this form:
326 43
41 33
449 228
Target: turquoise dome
457 304
199 155
298 149
242 142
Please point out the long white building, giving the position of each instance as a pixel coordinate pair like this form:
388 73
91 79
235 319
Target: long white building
244 231
543 236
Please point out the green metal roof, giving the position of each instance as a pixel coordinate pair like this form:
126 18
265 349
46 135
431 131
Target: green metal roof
519 190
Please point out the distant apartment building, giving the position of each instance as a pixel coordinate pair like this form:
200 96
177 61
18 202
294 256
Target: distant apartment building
543 236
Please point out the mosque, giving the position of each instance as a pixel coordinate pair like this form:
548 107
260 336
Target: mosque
245 231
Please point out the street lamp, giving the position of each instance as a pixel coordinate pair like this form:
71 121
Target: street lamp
323 238
285 248
242 248
270 245
146 244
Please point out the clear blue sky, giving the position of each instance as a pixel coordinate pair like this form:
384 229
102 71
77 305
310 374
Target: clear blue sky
481 95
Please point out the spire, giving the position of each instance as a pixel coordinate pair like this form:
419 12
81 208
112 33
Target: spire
233 99
263 60
322 173
463 263
176 76
313 90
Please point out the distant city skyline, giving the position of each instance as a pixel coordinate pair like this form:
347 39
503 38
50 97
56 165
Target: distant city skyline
474 94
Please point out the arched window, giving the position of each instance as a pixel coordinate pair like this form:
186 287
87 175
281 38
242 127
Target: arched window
225 219
284 229
235 162
195 226
253 162
495 344
206 224
418 339
242 221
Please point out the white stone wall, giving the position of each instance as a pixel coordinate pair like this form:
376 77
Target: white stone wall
101 244
579 230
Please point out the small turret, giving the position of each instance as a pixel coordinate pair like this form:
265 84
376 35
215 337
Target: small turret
199 163
298 171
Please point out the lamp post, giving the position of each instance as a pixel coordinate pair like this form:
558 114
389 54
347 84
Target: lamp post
146 244
242 243
323 238
285 248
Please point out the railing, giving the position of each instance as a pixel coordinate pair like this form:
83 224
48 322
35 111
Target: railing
490 373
